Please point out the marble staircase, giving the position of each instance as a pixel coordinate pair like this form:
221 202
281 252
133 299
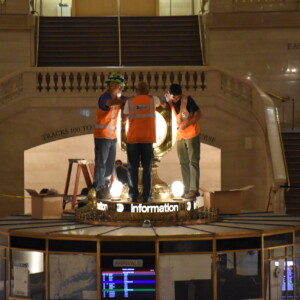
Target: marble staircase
291 141
144 41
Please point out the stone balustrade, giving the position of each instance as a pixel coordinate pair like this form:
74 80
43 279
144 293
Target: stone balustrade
91 81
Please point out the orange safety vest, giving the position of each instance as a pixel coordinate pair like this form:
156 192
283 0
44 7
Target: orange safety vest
142 126
106 123
183 117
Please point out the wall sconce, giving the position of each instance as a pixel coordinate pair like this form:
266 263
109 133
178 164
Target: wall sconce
2 2
292 70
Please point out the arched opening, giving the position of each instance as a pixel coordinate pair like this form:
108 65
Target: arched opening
46 166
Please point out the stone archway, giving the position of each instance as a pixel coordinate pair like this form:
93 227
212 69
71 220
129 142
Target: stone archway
45 166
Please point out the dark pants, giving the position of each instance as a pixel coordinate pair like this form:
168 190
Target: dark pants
136 153
189 156
105 156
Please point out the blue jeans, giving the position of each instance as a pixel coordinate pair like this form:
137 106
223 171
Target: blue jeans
105 156
136 153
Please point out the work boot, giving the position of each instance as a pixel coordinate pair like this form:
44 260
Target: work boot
184 194
191 195
103 193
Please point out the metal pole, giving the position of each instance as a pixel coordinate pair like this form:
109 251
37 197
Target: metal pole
293 114
119 33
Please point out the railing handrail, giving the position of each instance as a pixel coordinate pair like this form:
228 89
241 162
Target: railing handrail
37 39
201 33
119 32
282 149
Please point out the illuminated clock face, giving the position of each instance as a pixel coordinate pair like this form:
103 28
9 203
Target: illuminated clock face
161 130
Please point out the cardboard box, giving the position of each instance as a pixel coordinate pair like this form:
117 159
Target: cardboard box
45 206
227 202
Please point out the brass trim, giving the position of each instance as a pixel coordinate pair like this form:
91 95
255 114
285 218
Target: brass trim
129 254
23 249
157 270
262 264
293 255
278 247
37 40
214 269
70 253
98 263
201 33
8 254
46 270
185 253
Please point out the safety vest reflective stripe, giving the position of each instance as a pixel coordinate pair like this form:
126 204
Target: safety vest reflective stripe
141 116
104 126
141 119
133 115
183 117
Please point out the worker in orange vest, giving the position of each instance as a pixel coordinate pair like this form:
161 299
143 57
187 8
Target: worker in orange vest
187 114
141 134
109 105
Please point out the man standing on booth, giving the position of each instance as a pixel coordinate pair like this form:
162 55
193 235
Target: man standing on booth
140 110
187 115
105 137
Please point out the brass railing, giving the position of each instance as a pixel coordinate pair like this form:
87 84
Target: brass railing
119 33
283 99
37 38
201 33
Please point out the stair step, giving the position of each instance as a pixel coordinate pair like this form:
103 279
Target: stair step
146 41
293 211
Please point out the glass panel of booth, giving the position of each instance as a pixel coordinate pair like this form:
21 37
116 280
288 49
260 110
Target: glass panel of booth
27 271
3 274
185 277
280 273
73 276
297 264
241 270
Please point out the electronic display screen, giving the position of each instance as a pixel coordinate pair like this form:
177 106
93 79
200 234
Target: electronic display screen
128 283
288 280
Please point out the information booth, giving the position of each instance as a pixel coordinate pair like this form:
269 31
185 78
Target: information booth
245 256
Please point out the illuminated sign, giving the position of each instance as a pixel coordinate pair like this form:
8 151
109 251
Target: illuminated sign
128 263
147 208
158 208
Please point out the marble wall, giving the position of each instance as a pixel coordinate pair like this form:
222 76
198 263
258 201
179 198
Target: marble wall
264 47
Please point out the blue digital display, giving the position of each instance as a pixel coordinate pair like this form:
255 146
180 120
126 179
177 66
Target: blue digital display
128 283
288 280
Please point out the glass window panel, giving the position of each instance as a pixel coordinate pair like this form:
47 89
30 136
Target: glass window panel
278 240
289 251
239 275
3 240
185 277
28 274
3 274
72 276
267 254
297 269
280 282
278 252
